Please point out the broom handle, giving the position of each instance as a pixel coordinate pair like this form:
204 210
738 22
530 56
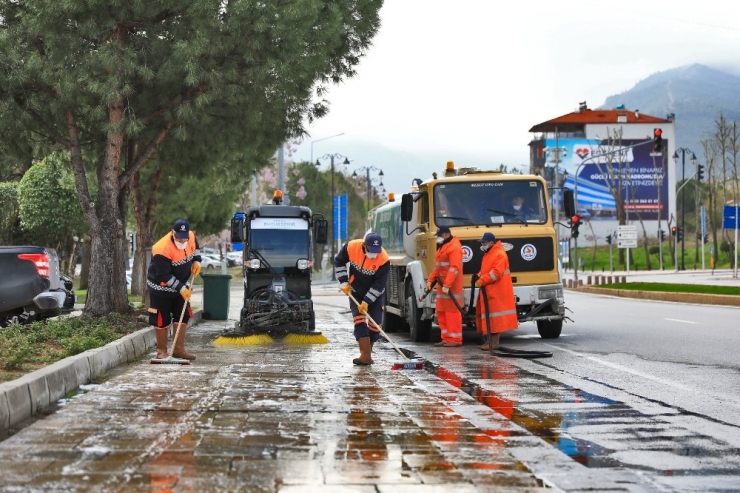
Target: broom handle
382 332
182 315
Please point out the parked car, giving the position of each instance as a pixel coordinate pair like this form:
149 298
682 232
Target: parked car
210 262
31 286
234 259
584 214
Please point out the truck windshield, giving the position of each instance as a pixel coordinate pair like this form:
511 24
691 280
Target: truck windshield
281 248
489 203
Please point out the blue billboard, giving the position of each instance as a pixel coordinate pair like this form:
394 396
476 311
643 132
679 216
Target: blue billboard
640 175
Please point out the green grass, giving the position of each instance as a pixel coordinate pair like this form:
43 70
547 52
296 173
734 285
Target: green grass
25 348
600 262
675 288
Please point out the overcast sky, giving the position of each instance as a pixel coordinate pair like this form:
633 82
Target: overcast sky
466 79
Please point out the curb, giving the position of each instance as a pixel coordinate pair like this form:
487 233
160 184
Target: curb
696 298
29 395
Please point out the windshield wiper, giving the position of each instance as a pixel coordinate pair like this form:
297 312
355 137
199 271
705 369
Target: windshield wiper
509 214
458 218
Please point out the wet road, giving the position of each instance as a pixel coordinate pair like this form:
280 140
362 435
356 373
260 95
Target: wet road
302 418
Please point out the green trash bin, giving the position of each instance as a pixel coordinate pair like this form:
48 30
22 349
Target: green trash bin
216 291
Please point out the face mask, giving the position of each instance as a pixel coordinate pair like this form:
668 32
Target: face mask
485 248
440 240
517 207
371 255
181 246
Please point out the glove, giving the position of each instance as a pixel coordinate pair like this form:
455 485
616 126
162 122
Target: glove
429 286
479 283
345 288
445 290
186 292
195 269
362 308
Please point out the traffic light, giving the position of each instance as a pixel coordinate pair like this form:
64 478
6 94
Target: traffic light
657 140
575 222
661 235
706 239
699 172
679 234
609 239
674 230
698 235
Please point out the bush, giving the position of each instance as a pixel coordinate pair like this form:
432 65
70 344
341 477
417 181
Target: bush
27 347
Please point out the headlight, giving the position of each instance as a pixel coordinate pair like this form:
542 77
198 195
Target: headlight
254 263
302 264
550 293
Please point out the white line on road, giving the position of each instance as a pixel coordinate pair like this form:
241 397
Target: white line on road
682 321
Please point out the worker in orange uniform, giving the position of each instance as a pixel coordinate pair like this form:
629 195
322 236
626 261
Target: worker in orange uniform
495 308
448 272
175 257
362 267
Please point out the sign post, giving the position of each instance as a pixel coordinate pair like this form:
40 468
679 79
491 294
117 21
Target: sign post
730 220
627 238
340 219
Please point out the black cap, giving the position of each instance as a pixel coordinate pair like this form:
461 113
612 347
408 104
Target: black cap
374 243
443 229
181 229
488 237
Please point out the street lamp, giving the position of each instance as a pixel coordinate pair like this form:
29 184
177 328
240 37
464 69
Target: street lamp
333 226
683 150
319 140
368 169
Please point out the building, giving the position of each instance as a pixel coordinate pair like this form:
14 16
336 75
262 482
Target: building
589 150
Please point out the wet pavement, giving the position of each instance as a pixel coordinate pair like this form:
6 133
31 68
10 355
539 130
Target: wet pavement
301 418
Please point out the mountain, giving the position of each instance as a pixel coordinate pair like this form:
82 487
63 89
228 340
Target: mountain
696 94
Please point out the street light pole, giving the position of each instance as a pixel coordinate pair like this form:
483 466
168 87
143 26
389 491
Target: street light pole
368 183
319 140
683 150
333 223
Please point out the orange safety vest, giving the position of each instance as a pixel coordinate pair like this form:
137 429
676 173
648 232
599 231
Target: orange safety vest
170 267
498 289
448 271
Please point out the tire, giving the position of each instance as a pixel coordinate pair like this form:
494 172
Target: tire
419 330
549 329
312 322
392 323
209 267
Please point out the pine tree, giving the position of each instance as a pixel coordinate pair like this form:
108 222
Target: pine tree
114 82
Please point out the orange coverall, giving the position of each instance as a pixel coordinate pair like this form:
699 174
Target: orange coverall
449 273
496 286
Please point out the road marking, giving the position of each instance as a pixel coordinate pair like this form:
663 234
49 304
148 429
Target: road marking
682 321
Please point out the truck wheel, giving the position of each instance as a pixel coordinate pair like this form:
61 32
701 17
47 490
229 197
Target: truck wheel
549 329
392 322
312 322
419 330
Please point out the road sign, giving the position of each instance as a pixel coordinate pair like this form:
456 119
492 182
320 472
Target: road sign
729 221
626 235
340 217
627 227
628 243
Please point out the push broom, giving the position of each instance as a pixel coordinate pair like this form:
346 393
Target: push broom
407 363
171 360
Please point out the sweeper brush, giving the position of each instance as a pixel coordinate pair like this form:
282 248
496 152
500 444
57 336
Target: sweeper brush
406 363
270 314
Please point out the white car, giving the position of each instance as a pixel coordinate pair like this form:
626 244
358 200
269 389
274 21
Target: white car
234 259
209 262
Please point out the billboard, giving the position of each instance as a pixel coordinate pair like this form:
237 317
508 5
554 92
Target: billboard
599 164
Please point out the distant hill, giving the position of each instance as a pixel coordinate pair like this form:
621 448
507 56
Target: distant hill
696 94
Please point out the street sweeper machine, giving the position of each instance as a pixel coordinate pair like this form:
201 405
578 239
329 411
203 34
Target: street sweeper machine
515 208
277 241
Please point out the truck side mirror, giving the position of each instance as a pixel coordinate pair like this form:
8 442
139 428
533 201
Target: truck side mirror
407 207
321 228
568 203
237 228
